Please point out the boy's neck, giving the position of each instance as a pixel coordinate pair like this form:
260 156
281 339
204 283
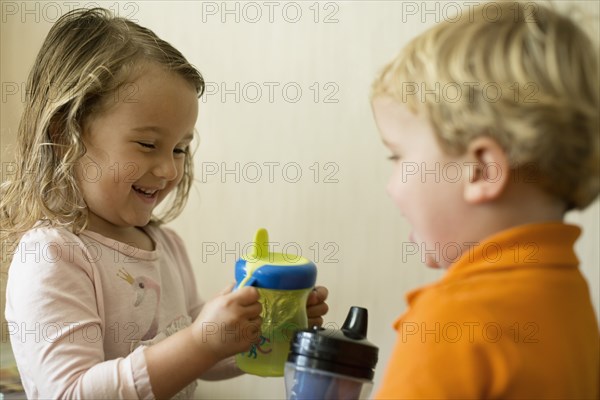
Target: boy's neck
520 204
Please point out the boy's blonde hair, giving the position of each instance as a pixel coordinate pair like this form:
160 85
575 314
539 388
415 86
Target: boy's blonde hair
519 73
87 57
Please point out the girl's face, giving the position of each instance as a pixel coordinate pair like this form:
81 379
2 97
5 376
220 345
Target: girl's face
136 149
426 184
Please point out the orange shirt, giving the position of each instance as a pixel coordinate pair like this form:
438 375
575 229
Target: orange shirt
512 318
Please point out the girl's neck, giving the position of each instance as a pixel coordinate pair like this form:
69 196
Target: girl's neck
131 235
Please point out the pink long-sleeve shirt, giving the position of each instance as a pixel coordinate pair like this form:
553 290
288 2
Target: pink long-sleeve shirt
81 308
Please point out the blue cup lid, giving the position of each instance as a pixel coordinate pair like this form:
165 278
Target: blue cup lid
268 270
282 277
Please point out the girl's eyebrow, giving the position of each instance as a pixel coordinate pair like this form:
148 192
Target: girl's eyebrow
154 129
159 130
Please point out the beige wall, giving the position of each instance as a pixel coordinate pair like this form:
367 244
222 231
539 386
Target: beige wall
337 212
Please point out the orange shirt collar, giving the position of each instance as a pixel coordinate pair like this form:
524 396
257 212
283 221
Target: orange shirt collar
530 245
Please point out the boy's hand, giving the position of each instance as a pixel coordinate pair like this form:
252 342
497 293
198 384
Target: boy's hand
316 306
229 323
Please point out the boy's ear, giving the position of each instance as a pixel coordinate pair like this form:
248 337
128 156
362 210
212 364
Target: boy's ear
488 171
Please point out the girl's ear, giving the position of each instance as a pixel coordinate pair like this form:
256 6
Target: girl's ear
489 171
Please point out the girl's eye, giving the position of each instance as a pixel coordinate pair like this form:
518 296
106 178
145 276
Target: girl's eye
146 145
394 158
181 151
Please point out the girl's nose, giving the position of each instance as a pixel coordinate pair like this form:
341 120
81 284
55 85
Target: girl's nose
166 168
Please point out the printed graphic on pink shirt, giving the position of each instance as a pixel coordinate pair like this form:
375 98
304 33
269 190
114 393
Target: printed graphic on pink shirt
146 290
143 286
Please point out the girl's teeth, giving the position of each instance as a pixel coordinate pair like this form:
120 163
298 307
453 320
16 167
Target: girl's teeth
146 192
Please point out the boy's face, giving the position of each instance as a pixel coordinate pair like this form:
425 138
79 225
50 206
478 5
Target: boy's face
425 184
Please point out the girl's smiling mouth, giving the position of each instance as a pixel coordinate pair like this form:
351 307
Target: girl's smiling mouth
146 193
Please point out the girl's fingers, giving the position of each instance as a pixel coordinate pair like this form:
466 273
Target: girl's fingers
318 321
253 311
317 311
317 295
247 296
227 289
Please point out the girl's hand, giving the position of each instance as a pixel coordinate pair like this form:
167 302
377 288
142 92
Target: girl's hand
229 323
316 306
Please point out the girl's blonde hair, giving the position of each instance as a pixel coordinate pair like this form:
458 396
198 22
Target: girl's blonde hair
86 58
520 73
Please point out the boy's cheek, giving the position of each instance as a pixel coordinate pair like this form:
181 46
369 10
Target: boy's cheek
395 189
391 192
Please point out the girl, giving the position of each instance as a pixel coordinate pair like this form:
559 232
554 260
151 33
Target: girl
100 297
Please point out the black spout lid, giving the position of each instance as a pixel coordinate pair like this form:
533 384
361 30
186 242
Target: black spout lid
356 323
343 351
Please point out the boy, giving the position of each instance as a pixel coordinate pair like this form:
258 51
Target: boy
492 121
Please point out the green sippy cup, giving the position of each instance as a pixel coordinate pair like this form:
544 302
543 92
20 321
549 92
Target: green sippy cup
284 282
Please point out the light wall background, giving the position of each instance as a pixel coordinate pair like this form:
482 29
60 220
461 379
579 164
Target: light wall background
287 94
